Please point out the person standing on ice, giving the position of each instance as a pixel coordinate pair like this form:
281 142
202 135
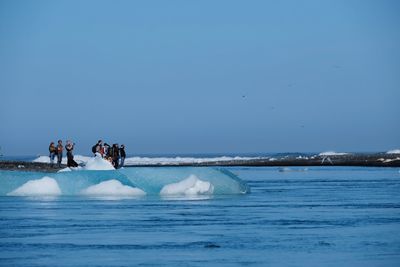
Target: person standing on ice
123 155
97 147
60 149
53 152
70 157
115 155
105 150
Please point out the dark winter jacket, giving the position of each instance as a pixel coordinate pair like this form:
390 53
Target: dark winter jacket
122 152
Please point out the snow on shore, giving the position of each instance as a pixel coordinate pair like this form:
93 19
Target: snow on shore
394 151
85 160
147 161
180 160
332 153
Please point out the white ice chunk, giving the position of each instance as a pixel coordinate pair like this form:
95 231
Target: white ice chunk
190 186
45 186
113 188
331 153
98 163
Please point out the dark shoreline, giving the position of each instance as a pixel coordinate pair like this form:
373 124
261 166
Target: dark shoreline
356 160
29 166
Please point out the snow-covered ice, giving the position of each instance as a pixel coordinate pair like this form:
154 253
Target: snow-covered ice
112 188
45 186
190 186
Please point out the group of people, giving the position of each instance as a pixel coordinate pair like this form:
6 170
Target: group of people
57 150
115 153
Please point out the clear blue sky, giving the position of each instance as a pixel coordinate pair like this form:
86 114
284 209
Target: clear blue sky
200 76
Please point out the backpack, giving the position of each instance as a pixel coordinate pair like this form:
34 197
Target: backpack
94 148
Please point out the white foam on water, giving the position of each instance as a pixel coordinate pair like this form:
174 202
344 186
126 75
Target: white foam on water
332 153
190 186
45 186
112 188
394 151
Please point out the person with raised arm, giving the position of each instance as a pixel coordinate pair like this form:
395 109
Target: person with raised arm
70 157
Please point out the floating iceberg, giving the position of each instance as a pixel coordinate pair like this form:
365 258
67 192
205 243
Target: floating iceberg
123 182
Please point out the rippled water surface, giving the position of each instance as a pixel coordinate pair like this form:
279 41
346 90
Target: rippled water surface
292 217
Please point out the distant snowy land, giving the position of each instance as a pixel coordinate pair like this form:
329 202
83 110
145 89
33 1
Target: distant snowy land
328 158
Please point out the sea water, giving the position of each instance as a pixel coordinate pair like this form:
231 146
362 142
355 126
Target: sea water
316 216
